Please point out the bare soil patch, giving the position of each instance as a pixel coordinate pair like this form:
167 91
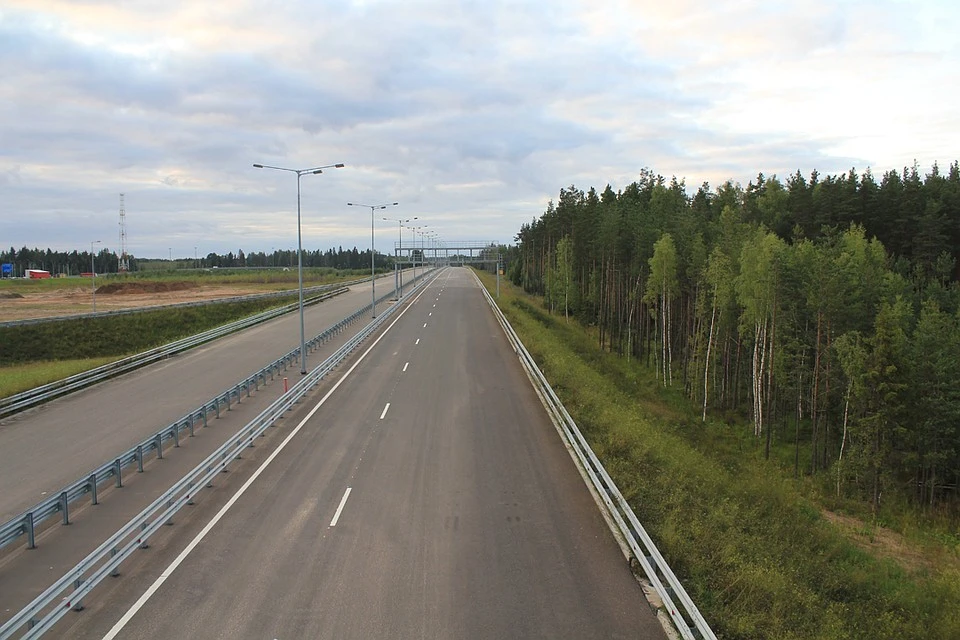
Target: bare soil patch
882 542
130 288
115 296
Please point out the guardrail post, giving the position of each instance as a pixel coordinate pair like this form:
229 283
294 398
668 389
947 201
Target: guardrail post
217 407
176 435
159 441
190 424
93 488
140 458
229 393
117 469
31 539
77 605
116 570
143 541
65 507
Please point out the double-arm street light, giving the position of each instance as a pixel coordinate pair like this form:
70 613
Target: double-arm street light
373 274
93 275
300 172
417 230
399 279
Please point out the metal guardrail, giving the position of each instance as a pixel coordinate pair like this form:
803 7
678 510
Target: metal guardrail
68 592
20 401
26 523
686 618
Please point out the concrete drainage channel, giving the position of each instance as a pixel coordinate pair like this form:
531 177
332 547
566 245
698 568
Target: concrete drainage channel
69 591
638 547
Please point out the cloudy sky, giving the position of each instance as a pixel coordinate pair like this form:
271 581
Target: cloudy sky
471 115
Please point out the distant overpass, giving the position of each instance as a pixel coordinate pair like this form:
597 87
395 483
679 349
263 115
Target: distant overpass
458 252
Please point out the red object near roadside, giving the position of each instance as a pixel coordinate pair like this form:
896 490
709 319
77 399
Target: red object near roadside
37 274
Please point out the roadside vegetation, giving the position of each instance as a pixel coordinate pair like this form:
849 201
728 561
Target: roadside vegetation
33 355
23 377
757 548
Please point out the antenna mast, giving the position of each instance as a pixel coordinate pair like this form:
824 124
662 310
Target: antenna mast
124 265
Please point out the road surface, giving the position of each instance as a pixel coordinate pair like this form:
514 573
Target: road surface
424 495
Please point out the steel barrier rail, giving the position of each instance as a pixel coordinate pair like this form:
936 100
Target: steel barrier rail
38 395
688 620
68 592
27 522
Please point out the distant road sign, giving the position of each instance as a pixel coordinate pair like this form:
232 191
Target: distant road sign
6 269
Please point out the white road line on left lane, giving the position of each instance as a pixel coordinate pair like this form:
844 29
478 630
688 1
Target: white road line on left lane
343 501
384 411
122 622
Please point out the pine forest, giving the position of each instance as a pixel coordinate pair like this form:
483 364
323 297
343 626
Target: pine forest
823 310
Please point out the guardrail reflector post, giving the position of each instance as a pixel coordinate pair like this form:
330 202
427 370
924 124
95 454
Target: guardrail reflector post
65 507
93 488
31 539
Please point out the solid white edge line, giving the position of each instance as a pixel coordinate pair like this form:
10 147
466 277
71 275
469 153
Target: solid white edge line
343 501
384 411
122 622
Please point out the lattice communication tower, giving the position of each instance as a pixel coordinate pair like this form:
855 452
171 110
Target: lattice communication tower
124 265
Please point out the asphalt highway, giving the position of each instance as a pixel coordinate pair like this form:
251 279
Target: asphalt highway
422 493
46 448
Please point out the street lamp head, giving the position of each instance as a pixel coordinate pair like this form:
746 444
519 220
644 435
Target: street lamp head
258 166
395 204
339 165
318 171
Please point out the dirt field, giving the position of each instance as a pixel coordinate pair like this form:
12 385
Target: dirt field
113 296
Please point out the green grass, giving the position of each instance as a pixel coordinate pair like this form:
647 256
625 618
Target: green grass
751 548
116 336
22 377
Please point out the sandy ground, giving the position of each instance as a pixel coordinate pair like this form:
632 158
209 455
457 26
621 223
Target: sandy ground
78 300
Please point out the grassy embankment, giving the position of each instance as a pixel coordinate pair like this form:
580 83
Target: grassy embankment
33 355
751 545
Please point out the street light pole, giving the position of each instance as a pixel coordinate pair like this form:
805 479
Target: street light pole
373 273
301 172
93 276
398 281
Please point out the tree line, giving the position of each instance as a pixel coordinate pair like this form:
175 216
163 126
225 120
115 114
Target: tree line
106 261
824 309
